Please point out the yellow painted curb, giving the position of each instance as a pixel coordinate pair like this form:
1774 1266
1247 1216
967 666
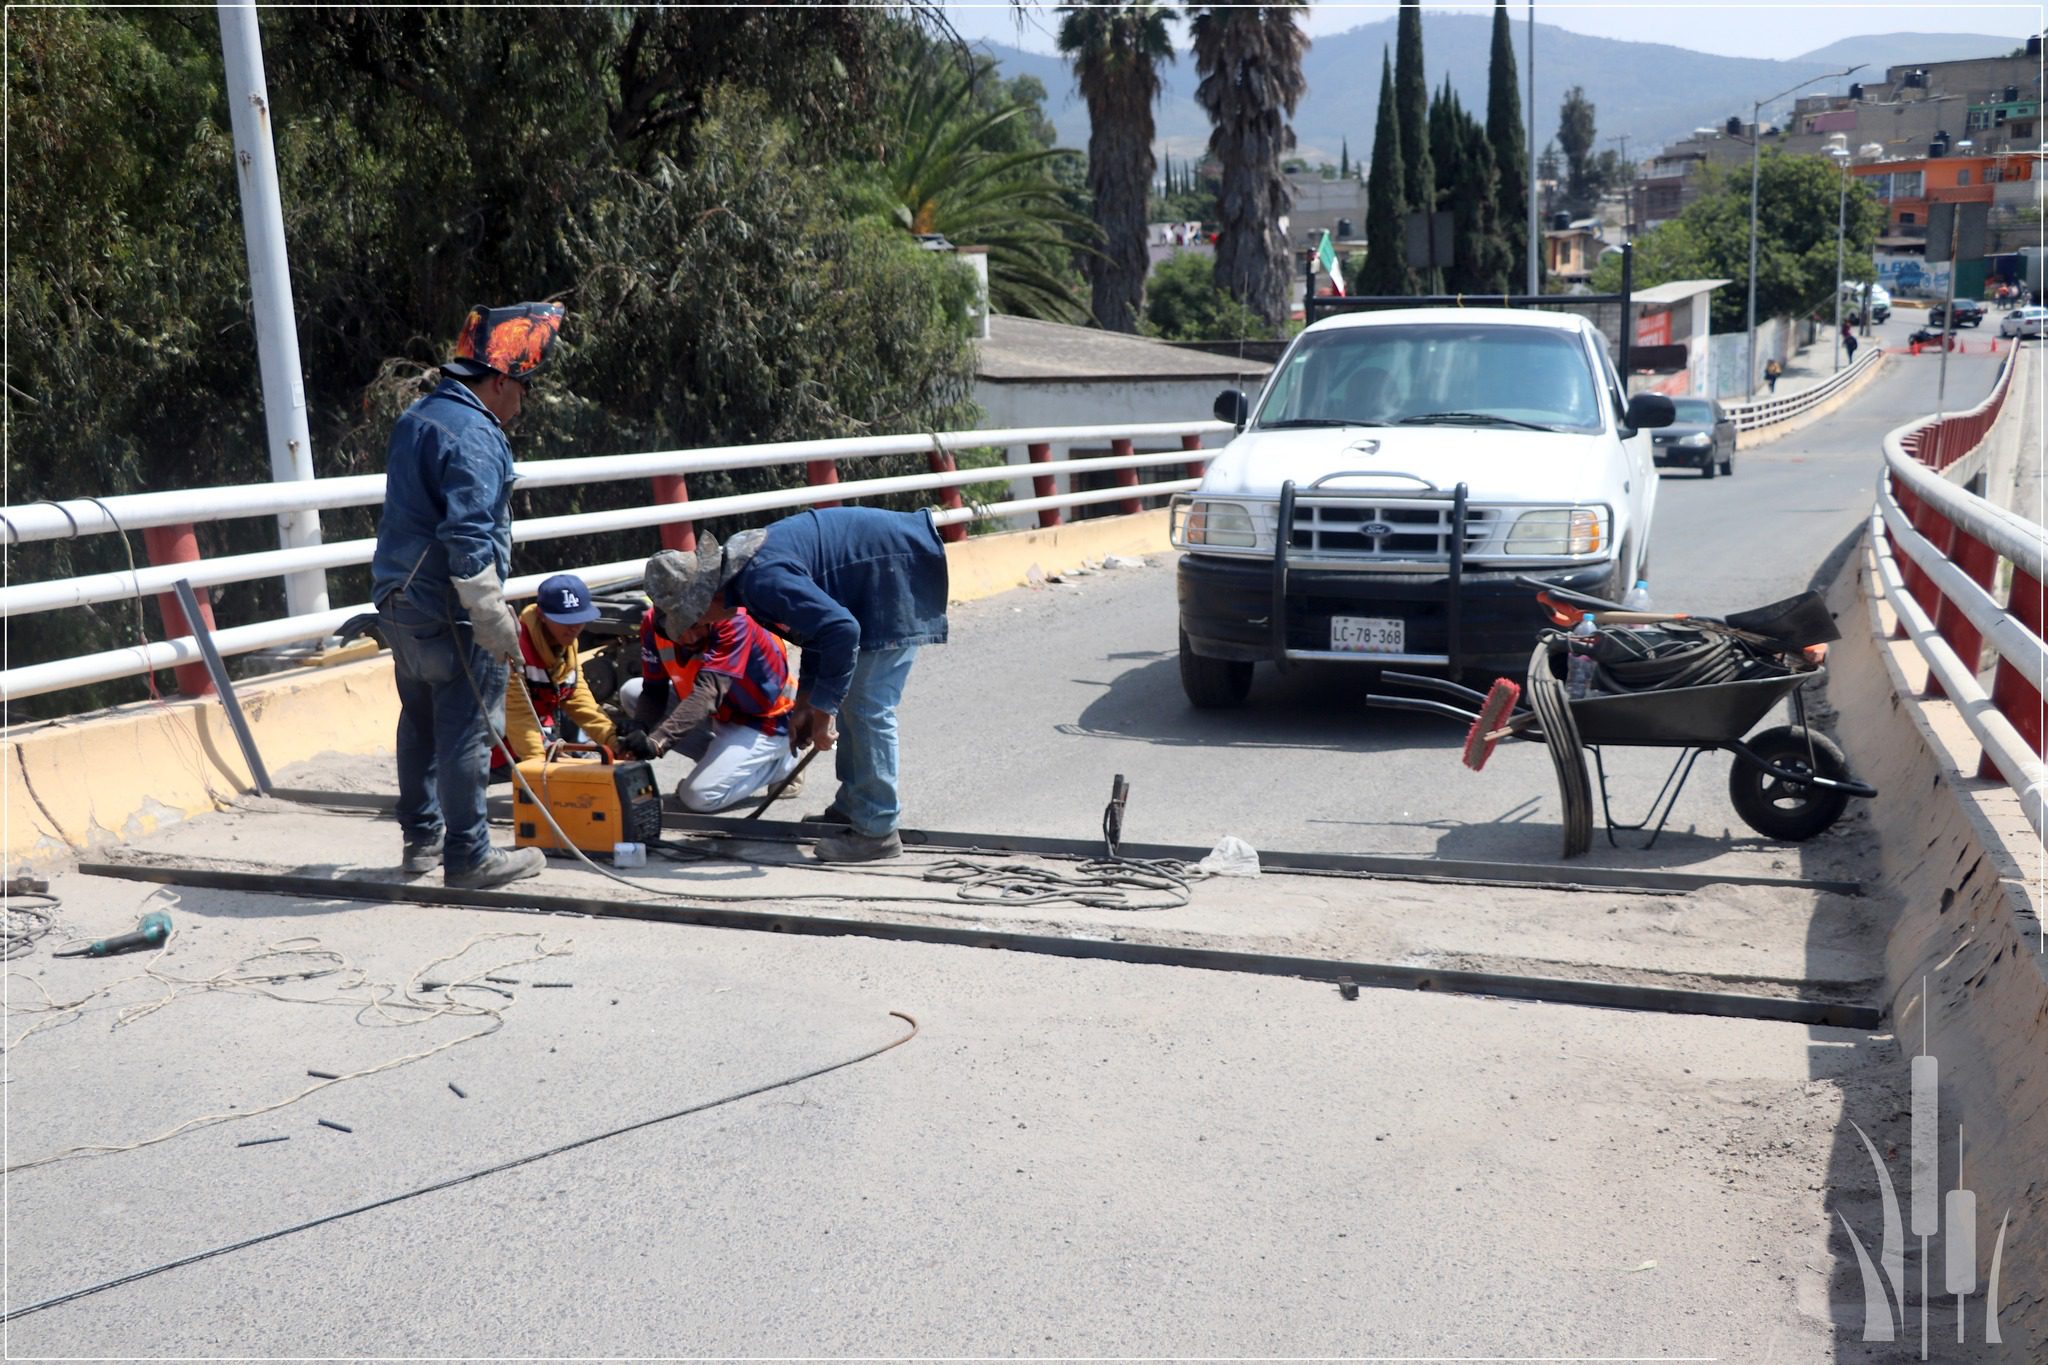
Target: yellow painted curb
983 566
76 785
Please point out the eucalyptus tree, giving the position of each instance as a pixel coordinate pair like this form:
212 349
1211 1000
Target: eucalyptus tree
1117 51
1250 58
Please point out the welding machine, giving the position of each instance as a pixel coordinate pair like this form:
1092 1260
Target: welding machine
598 802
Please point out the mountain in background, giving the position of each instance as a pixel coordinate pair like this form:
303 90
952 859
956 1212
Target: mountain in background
1654 93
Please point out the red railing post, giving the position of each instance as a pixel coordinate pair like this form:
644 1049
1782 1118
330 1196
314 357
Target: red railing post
1950 622
820 473
1044 485
179 545
1193 469
675 535
2014 696
1125 478
941 462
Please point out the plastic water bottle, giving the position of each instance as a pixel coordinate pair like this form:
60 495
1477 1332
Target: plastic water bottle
1638 598
1578 673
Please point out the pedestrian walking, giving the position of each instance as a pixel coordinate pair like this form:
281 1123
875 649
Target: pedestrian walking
1772 369
1849 340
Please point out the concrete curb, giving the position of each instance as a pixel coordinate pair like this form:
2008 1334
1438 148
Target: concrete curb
86 784
1964 966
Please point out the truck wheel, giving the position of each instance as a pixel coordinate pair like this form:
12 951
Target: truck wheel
1788 810
1213 684
1707 470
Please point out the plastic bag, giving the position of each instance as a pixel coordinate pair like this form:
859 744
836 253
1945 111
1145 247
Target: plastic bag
1232 857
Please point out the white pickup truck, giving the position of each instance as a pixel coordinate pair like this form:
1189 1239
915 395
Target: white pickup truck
1401 470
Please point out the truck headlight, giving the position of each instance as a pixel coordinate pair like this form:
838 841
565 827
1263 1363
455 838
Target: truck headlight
1559 531
1220 523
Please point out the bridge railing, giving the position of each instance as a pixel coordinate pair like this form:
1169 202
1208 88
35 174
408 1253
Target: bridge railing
1766 411
1942 550
166 520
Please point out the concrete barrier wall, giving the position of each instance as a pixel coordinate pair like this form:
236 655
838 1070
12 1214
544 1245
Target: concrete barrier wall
1964 966
69 786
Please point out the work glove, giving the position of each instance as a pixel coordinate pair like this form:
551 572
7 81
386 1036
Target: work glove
636 743
491 622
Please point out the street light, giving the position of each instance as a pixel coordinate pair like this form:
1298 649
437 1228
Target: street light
1842 158
1756 144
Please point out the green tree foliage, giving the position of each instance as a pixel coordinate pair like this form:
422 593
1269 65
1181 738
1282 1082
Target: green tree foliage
1411 109
1386 252
1183 303
1117 51
1575 134
1344 160
1796 201
696 185
1468 188
1510 148
1249 58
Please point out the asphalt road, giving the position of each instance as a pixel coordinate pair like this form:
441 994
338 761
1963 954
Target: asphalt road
1071 1158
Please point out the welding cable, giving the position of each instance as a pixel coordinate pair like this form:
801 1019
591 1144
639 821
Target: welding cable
466 1178
21 925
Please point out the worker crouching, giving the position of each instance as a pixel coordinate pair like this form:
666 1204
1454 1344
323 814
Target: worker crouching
549 686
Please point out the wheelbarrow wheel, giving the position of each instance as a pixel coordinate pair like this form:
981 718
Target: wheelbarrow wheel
1788 810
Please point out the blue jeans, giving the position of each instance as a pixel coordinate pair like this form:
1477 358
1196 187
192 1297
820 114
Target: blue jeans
866 753
443 745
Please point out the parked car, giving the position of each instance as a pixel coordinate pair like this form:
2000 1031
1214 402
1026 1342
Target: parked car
2024 322
1880 301
1701 436
1969 313
1398 473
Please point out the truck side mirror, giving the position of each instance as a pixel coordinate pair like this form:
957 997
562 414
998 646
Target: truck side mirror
1233 407
1648 411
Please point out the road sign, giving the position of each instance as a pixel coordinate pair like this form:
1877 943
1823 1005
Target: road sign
1429 239
1956 232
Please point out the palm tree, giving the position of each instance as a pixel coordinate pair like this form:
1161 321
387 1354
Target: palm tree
1117 51
1250 63
947 173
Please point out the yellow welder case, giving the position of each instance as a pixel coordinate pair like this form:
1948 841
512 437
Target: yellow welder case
597 802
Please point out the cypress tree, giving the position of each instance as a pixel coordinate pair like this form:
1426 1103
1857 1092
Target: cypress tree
1482 263
1510 147
1411 112
1344 161
1446 119
1386 252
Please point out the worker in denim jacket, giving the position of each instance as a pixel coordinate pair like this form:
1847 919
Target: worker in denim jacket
860 590
444 549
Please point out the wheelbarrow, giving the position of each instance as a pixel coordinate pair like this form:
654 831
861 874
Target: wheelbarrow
1789 782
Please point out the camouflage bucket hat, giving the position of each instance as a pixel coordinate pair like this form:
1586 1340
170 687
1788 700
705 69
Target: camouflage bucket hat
681 584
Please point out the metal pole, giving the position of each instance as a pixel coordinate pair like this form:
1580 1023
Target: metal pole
1535 242
1948 326
1756 147
270 291
223 685
1841 221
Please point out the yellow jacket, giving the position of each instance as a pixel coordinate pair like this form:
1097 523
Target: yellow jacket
555 682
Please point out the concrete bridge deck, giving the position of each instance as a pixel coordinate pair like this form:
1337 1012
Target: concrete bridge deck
1070 1157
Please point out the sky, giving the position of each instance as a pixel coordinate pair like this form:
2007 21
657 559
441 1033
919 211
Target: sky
1777 30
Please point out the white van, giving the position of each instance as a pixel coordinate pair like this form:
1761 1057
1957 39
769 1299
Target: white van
1401 470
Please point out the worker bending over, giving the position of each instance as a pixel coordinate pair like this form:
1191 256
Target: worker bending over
860 590
549 682
733 696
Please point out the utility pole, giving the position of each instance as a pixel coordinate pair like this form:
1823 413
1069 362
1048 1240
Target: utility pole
270 292
1535 239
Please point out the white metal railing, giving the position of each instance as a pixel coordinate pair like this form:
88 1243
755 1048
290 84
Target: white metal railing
52 520
1768 411
1938 549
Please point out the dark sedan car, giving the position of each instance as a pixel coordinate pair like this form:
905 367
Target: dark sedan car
1702 438
1969 313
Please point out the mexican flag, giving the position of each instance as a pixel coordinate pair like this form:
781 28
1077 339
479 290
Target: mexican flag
1326 256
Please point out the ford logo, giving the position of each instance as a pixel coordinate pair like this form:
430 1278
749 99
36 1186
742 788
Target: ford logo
1376 528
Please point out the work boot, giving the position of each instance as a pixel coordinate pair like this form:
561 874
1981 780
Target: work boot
420 859
498 867
855 847
794 787
831 815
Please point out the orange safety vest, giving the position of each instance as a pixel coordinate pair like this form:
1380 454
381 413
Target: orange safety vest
754 658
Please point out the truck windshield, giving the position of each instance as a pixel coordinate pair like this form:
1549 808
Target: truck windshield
1444 373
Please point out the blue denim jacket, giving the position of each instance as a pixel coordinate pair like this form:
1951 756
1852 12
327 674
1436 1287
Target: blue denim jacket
447 500
843 579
